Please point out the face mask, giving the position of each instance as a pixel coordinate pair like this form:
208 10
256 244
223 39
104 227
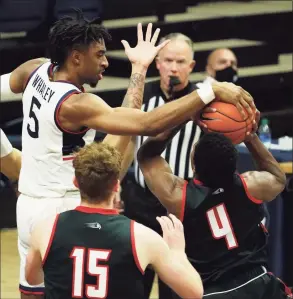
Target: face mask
227 75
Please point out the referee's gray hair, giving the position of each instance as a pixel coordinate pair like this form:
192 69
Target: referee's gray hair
178 36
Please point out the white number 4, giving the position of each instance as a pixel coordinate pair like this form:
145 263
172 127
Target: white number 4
99 290
220 225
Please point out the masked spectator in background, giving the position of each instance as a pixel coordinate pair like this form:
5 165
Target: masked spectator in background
221 66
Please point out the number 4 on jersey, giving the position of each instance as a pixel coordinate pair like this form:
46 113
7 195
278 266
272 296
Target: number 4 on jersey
220 225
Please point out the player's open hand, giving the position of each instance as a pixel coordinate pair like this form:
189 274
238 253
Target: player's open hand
236 95
145 50
173 232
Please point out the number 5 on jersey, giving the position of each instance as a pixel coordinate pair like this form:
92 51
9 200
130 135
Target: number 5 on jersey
93 268
220 225
34 133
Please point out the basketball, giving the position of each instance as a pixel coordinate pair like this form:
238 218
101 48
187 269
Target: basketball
227 120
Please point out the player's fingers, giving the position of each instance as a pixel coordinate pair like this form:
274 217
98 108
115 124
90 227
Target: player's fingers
155 36
255 122
201 124
247 108
241 110
209 109
125 44
253 129
162 224
254 126
247 93
257 116
139 32
168 222
177 223
162 45
249 99
149 32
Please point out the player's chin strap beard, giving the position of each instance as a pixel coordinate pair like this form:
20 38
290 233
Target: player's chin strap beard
173 82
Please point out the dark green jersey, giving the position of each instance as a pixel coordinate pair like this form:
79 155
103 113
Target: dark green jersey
92 254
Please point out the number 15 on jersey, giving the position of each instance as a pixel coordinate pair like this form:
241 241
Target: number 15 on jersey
93 268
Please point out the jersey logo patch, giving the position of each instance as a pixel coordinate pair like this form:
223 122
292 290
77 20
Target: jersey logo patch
218 191
93 225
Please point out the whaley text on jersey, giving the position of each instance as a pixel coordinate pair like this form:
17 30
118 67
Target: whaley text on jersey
42 89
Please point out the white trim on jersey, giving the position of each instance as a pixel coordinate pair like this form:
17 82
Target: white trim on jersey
242 285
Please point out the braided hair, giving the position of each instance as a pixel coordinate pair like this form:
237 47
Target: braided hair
74 33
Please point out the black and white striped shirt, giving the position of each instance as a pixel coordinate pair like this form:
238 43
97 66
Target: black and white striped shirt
177 153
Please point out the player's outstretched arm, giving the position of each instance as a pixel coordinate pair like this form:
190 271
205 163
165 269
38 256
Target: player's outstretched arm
10 162
133 99
269 180
167 257
15 82
88 110
140 57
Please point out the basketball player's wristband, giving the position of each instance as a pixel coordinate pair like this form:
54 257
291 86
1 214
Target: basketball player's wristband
6 147
206 93
5 86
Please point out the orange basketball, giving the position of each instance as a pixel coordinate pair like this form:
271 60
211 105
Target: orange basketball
228 121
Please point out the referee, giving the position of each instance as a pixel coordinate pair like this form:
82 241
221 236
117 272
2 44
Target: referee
174 63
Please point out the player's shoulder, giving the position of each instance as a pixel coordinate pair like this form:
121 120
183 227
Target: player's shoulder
31 65
21 75
79 101
39 61
144 234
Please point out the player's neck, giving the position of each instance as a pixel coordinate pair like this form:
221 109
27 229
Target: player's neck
107 204
63 74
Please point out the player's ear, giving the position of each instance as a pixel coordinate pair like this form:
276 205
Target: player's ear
192 65
117 186
75 182
76 57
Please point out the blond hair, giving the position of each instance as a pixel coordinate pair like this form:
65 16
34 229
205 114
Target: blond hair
97 167
178 36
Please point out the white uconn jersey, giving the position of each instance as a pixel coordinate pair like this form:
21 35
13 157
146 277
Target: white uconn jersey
47 149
